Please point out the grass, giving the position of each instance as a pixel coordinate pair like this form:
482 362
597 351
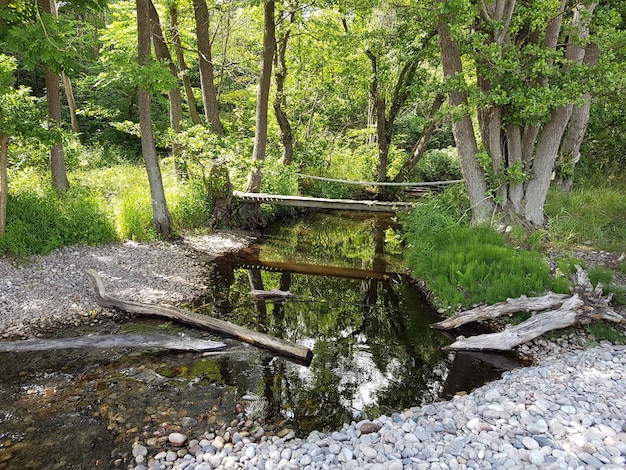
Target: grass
588 216
467 265
103 205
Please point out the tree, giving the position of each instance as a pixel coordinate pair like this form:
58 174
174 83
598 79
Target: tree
173 94
280 75
181 64
262 101
58 169
527 85
207 77
161 219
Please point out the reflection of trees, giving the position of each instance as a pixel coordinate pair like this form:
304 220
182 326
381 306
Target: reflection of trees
328 239
373 348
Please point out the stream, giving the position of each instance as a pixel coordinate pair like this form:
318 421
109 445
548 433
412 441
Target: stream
354 306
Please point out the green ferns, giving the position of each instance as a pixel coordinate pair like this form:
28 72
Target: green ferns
467 265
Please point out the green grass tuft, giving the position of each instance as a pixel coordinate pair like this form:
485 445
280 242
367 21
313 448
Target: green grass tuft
588 216
468 265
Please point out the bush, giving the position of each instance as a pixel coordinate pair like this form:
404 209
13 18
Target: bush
39 222
438 165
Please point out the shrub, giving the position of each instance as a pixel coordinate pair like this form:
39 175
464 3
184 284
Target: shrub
40 221
438 165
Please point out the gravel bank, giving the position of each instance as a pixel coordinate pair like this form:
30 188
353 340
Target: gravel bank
43 293
568 412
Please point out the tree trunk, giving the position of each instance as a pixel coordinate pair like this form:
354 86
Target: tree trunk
174 97
569 153
182 67
296 352
280 103
53 91
58 169
380 111
71 103
161 219
4 181
207 79
262 101
584 306
150 341
422 143
67 85
463 131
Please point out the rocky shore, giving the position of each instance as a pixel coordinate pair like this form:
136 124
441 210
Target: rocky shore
567 411
44 293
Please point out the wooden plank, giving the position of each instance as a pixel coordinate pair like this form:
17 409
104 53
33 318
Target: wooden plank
324 203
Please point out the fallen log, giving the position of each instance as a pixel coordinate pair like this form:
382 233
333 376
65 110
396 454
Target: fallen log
152 341
293 351
584 306
508 307
273 294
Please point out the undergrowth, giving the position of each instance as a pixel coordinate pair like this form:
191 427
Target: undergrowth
102 205
588 216
467 265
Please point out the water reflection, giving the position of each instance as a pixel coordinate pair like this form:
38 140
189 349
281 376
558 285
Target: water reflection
369 329
374 352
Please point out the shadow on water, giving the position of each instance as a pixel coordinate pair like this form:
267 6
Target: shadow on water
368 326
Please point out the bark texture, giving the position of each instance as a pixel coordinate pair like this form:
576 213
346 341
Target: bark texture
205 60
262 101
161 219
288 349
561 311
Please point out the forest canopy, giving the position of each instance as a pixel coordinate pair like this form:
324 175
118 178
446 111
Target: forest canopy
510 96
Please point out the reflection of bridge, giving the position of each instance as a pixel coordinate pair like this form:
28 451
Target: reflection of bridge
346 204
317 270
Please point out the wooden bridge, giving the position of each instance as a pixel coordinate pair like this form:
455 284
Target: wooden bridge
324 203
344 204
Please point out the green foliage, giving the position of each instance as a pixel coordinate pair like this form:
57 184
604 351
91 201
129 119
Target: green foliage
39 220
600 275
466 265
602 331
593 215
350 158
438 165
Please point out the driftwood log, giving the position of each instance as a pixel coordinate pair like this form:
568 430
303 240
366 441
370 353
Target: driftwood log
293 351
182 343
585 305
273 294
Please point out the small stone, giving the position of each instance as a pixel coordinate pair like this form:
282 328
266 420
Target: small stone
369 452
529 442
139 450
536 457
492 395
368 428
177 439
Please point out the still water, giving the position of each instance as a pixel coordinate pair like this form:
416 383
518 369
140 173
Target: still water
354 306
